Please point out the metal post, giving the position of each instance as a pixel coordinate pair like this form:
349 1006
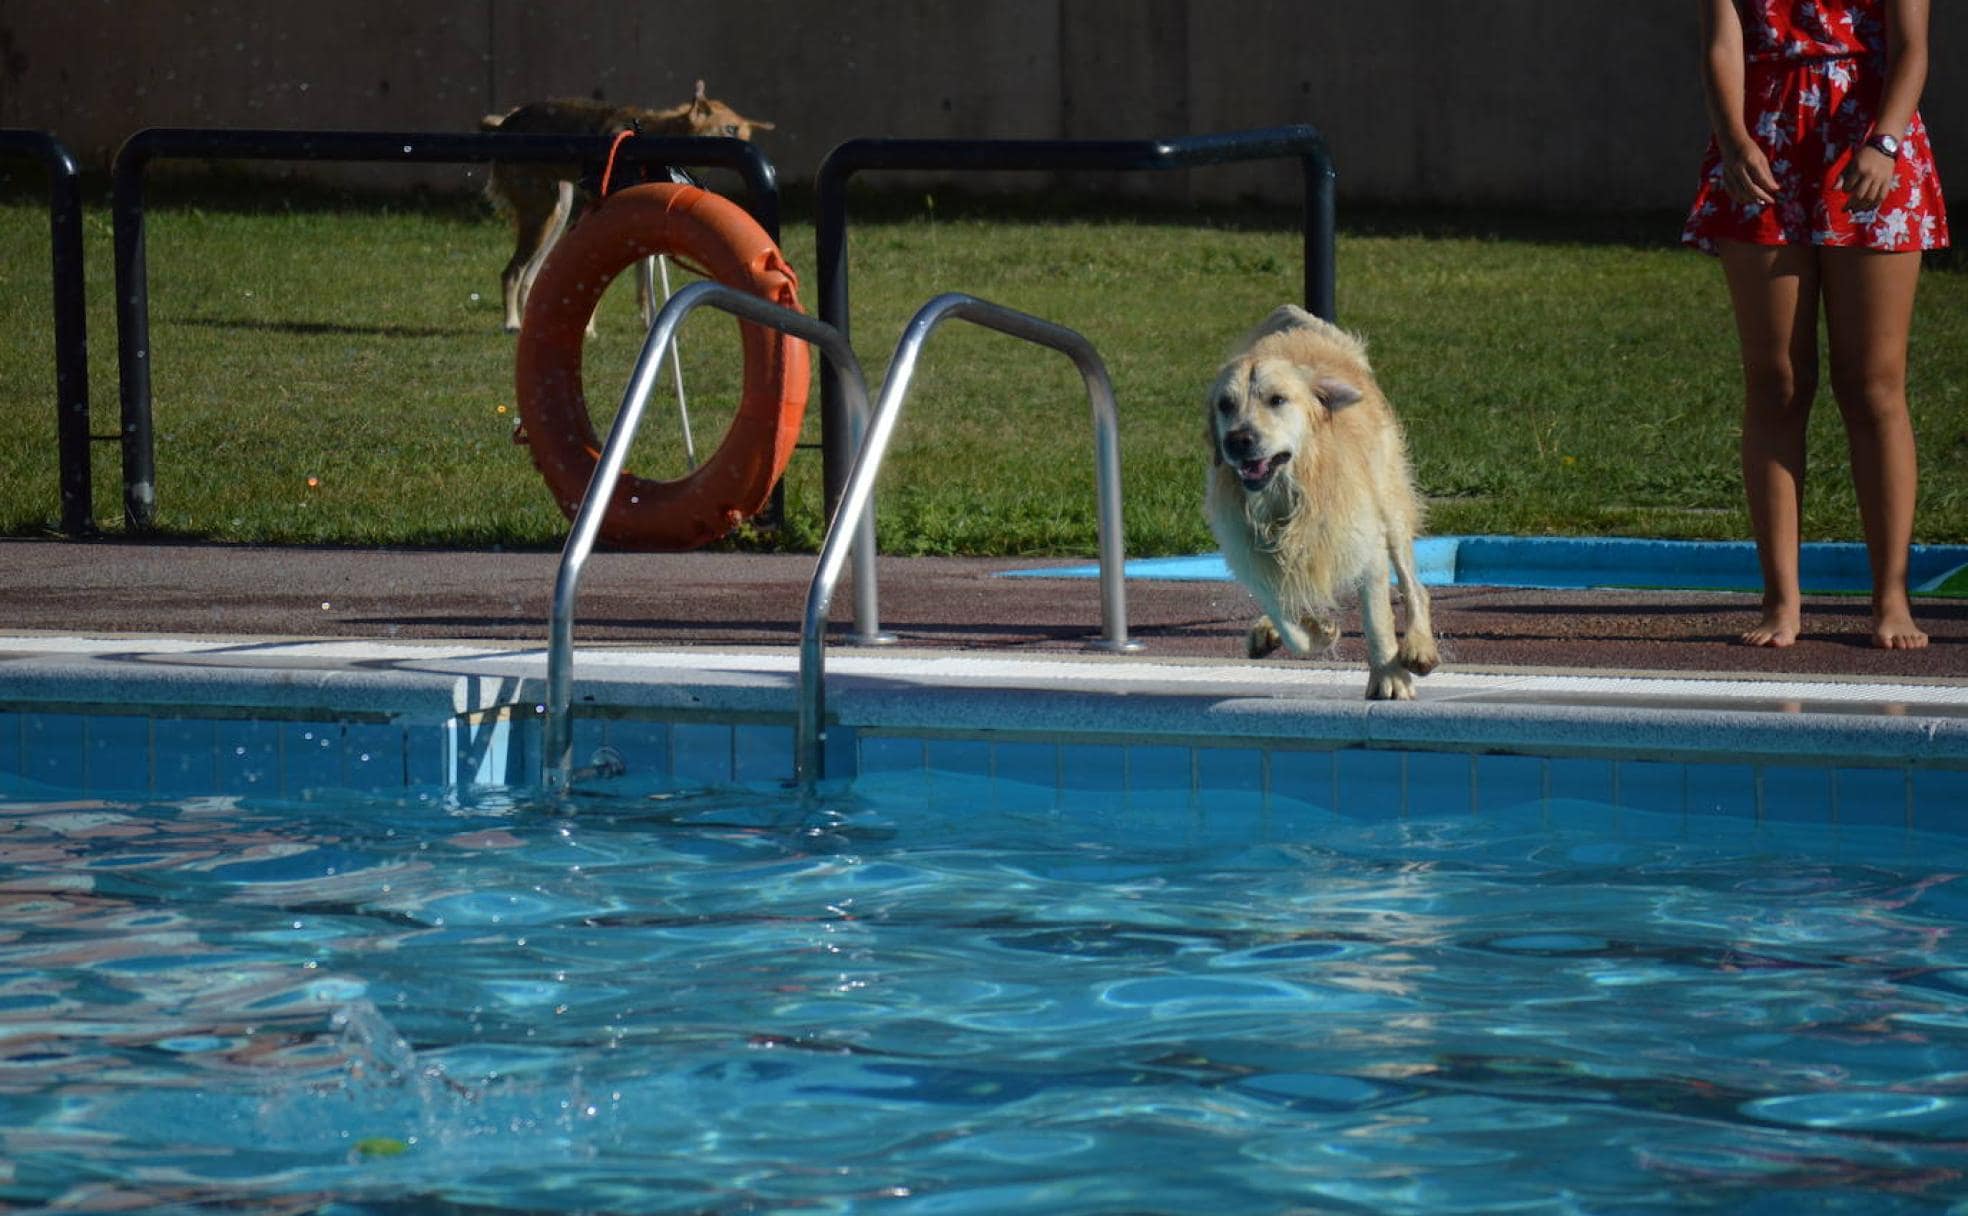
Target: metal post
71 323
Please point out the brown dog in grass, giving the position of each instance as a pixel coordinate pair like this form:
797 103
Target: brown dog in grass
542 198
1311 498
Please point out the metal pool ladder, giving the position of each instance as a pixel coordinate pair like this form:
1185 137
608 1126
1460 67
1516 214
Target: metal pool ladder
853 522
557 731
852 514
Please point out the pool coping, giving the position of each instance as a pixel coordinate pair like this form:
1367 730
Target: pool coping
1840 719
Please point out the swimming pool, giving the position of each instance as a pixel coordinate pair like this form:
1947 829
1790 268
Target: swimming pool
922 996
284 935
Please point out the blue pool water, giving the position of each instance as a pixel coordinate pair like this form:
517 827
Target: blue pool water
724 1003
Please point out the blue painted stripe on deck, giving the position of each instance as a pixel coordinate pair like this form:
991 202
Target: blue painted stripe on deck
1586 562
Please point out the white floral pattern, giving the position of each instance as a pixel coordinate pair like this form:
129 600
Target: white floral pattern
1815 69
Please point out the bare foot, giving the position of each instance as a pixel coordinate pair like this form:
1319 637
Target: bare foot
1893 629
1777 628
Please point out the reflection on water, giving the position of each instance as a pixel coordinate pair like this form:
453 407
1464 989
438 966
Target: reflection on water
711 1004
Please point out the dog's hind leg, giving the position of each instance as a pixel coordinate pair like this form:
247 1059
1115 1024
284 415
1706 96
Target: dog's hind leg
1417 652
540 237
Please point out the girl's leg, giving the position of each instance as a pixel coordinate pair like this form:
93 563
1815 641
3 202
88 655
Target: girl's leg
1774 289
1868 310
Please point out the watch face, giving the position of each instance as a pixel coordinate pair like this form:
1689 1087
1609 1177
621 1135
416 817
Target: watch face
1886 144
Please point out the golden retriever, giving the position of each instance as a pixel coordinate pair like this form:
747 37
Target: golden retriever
541 198
1311 497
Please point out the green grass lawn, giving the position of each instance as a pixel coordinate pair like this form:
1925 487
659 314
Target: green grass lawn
335 373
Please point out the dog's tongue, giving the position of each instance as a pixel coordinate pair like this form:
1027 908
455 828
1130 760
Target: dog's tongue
1254 471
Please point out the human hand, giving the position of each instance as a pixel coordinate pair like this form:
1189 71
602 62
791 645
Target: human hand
1746 175
1868 179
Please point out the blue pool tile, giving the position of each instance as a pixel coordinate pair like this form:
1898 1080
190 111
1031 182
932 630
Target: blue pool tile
1026 776
1656 787
959 757
763 754
426 754
1093 776
1940 800
1505 783
1035 764
1721 792
10 743
185 756
1303 776
372 756
644 747
52 749
959 773
892 754
248 755
1369 783
588 735
1160 776
310 757
490 749
116 753
1870 797
702 753
1584 778
1439 783
1796 794
1099 768
1230 779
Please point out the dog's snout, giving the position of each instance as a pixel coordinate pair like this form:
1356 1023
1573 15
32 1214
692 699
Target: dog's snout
1240 444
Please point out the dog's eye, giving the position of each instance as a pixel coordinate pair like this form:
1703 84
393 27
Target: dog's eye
1276 401
1226 406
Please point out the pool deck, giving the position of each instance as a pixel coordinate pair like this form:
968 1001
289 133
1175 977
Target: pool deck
1641 671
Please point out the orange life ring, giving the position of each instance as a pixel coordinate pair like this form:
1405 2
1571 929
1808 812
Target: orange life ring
716 238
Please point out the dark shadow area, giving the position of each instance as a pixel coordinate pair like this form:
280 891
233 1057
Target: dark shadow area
324 327
1029 198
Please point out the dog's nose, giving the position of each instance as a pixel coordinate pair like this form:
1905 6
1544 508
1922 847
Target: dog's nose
1240 444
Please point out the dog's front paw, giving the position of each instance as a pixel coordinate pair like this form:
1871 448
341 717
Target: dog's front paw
1262 639
1418 655
1392 684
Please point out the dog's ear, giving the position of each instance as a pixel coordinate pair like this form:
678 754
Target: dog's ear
1335 393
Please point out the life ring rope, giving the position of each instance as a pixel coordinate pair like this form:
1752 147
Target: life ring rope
712 237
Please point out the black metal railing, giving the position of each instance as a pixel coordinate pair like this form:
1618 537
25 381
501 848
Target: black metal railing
383 147
1302 142
71 322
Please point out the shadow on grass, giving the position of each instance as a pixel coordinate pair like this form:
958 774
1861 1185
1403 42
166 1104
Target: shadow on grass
325 327
1033 198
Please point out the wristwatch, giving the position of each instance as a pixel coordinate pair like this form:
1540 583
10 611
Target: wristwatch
1883 142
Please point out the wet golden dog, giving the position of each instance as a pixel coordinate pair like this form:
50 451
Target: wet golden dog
541 198
1311 498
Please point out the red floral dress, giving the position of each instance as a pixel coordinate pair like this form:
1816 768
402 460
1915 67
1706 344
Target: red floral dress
1814 72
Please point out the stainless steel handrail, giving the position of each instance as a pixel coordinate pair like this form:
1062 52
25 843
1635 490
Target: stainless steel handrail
557 733
858 493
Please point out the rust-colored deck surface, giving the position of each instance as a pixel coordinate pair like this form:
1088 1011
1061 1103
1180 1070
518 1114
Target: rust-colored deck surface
718 599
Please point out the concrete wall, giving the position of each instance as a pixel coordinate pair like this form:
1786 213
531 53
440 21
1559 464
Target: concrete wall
1545 103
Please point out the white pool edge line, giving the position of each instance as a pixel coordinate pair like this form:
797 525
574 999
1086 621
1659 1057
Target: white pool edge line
1053 694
